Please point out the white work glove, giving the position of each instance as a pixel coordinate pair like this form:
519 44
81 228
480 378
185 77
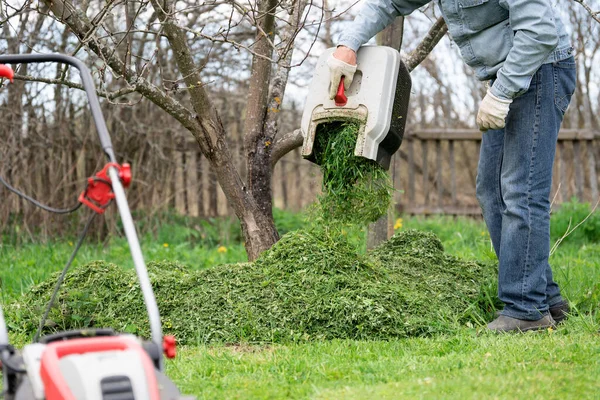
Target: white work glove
492 112
337 69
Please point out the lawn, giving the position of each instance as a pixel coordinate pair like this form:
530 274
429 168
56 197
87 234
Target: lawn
465 363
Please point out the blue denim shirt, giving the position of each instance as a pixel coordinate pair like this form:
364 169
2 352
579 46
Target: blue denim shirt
504 39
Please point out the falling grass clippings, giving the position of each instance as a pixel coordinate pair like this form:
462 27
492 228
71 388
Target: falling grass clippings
355 189
311 285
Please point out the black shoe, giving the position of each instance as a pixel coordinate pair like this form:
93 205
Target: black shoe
560 311
508 324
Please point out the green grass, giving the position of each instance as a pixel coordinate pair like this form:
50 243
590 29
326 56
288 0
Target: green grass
22 266
560 364
466 364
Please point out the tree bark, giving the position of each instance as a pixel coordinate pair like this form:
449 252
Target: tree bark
258 227
257 143
433 37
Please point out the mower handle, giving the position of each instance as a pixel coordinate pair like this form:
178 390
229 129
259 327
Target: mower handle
117 187
88 85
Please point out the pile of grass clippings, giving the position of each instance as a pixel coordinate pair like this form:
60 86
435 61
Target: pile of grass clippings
355 189
311 285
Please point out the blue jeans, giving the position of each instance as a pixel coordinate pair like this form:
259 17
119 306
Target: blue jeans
514 178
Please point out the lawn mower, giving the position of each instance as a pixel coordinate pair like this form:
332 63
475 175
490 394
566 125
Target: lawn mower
90 364
377 100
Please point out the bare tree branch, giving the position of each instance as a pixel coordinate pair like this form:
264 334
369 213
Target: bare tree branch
65 11
435 34
110 95
281 77
594 14
225 39
285 144
210 130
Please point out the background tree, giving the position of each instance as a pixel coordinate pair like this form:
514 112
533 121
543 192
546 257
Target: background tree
218 72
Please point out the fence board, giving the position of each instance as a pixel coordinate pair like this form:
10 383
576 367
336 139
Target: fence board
192 183
475 135
576 169
179 183
439 178
592 170
411 170
577 163
452 171
425 150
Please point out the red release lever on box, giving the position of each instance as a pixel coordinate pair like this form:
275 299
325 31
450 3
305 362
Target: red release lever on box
6 72
340 97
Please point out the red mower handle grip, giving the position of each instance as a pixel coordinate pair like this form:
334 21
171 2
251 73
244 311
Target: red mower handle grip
340 97
6 72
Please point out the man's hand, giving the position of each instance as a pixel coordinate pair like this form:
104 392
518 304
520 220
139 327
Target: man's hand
341 63
492 112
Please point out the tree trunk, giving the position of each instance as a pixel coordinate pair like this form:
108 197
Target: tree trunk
204 122
378 231
258 150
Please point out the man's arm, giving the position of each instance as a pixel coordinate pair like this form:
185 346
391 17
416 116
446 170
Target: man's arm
373 17
535 38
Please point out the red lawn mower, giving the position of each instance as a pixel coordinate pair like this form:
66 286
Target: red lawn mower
90 364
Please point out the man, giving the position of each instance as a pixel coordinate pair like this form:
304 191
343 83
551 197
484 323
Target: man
522 48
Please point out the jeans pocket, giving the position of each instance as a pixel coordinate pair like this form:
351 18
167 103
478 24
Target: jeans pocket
565 82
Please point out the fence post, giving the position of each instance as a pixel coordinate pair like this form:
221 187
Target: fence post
452 171
592 168
439 178
425 147
577 163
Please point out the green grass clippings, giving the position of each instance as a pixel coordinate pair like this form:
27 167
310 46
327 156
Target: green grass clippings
311 285
355 189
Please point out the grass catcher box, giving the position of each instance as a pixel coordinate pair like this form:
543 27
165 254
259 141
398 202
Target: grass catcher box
377 99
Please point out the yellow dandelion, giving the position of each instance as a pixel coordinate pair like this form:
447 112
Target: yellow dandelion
165 245
483 233
398 224
71 244
222 249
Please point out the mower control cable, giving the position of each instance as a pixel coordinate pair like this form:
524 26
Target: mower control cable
82 236
98 195
37 203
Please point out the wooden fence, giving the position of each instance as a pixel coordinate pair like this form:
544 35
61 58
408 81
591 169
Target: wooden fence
435 170
434 173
